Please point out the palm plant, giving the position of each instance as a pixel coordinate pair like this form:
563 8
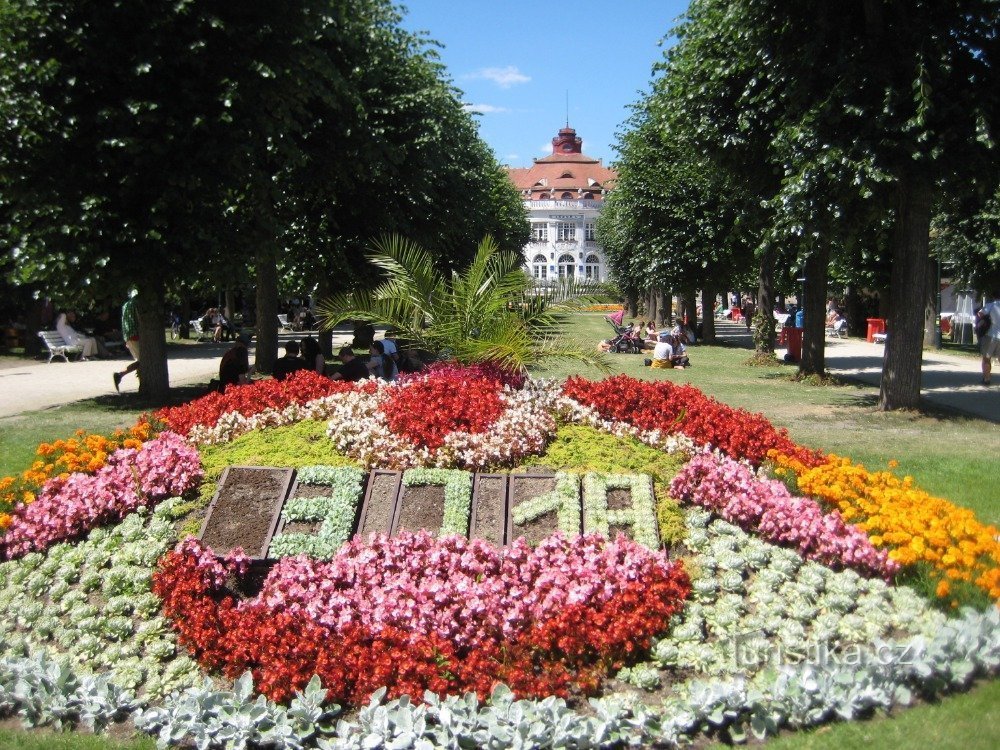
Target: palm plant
482 314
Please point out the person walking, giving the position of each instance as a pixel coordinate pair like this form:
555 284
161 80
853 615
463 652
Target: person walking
989 344
130 332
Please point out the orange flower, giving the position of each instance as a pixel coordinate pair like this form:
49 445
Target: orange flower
915 526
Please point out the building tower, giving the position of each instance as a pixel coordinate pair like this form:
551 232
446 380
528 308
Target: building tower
564 194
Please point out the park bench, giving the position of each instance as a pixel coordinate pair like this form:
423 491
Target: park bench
197 328
58 347
879 338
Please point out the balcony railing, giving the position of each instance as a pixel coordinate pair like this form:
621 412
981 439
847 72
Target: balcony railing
576 204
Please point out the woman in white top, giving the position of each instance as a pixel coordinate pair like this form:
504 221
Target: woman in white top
73 338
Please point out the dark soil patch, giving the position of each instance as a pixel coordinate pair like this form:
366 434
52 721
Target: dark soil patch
244 512
302 527
376 516
522 489
421 507
307 491
619 499
490 514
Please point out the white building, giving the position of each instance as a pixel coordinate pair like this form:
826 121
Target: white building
564 194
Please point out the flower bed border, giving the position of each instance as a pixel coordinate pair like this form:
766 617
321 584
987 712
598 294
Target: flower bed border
504 510
369 486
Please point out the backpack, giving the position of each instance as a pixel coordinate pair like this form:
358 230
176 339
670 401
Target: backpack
982 326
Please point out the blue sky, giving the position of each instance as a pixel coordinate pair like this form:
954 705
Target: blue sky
515 60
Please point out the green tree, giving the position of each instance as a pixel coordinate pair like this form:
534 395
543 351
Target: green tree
481 314
862 111
674 221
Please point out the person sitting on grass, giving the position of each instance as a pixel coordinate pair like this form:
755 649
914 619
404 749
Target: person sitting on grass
291 362
352 369
663 353
313 355
679 356
234 369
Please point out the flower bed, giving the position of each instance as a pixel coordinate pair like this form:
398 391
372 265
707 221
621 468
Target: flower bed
773 575
131 478
915 527
669 408
411 614
83 454
731 490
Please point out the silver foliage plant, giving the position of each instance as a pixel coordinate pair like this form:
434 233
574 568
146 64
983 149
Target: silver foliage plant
44 692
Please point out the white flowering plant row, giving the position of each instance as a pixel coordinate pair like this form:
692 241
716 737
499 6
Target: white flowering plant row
457 495
336 512
564 500
757 607
640 517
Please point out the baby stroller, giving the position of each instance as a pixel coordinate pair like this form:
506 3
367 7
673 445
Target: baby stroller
625 339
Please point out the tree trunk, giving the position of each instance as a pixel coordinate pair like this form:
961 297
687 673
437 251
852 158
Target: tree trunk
930 304
230 304
900 387
154 377
814 336
689 307
631 304
651 304
267 307
33 324
708 315
764 340
661 304
325 334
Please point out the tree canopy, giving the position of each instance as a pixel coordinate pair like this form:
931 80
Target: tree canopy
146 144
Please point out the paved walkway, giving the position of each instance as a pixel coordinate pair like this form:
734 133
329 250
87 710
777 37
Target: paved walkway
30 386
952 381
949 380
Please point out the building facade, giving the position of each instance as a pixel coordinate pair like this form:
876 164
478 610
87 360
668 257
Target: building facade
564 194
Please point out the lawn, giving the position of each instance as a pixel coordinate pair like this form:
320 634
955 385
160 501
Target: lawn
942 452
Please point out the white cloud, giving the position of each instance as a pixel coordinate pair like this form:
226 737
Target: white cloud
545 148
511 158
484 109
502 77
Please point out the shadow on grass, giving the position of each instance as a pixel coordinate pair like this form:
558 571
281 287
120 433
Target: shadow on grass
133 401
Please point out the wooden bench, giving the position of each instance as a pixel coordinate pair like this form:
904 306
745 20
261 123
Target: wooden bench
58 347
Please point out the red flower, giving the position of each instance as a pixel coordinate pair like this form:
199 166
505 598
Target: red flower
686 410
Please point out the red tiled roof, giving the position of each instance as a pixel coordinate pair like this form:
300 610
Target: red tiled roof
583 173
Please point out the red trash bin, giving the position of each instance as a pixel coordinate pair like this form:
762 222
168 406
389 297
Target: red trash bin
793 337
875 325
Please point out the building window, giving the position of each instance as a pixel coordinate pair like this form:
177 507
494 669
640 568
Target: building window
589 231
539 267
588 196
592 267
539 232
567 267
544 197
567 196
565 232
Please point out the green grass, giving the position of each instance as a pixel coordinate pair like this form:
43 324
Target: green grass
944 454
965 722
48 740
941 451
21 434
